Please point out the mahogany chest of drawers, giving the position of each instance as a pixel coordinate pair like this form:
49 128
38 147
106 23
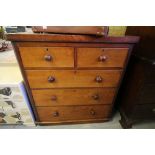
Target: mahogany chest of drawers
72 78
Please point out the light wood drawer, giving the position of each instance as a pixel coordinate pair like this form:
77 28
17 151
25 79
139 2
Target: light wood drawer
71 78
72 113
85 96
47 57
101 57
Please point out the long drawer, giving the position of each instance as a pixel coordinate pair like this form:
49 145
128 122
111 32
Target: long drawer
73 113
71 78
101 57
47 56
85 96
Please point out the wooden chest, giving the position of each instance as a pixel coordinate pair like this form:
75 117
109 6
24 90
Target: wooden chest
139 82
139 104
72 78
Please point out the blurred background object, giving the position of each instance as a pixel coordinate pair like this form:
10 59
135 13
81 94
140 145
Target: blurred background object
1 32
3 43
15 29
117 30
15 107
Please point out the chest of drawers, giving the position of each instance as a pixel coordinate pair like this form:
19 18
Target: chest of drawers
139 105
72 78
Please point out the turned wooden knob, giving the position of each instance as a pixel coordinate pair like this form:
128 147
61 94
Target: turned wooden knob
92 112
48 57
102 58
95 97
51 79
55 113
53 98
98 79
153 109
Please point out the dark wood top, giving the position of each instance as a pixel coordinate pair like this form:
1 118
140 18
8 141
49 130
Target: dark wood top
69 38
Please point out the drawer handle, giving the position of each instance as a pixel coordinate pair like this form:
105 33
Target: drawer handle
92 112
51 79
48 57
102 58
95 97
153 110
55 114
53 98
98 79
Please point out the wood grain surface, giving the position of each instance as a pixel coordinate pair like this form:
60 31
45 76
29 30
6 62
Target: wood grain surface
88 30
87 96
73 113
90 57
35 56
70 38
72 78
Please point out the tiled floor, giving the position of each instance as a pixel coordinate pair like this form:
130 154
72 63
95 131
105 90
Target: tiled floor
113 124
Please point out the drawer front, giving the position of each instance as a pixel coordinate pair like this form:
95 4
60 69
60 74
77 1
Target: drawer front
144 111
58 97
71 78
101 57
47 57
73 113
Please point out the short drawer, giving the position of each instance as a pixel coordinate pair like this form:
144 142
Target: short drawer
85 96
101 57
144 111
73 113
71 78
47 56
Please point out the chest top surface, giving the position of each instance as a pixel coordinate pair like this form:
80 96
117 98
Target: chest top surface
43 37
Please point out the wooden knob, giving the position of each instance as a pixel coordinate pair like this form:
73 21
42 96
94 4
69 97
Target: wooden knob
102 58
153 110
92 112
95 97
53 98
51 79
98 79
48 57
55 113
